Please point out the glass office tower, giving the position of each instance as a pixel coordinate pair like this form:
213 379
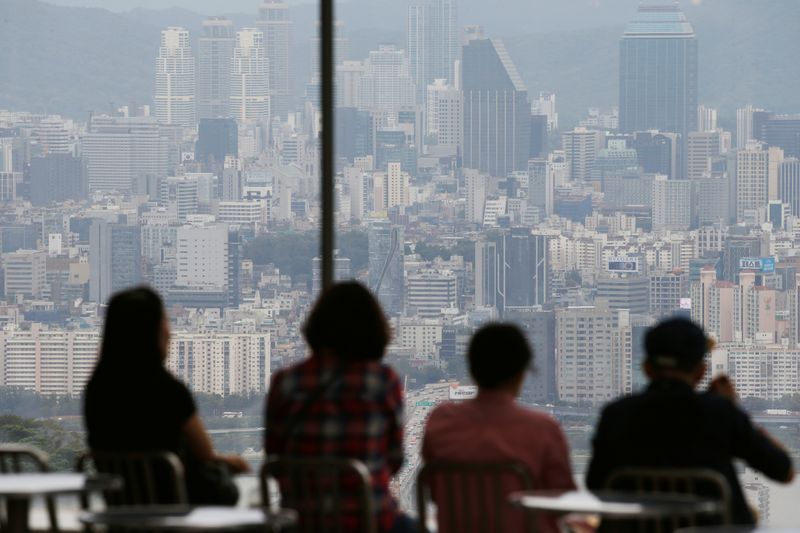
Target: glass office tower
658 72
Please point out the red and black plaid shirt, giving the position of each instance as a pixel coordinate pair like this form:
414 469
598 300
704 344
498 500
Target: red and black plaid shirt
358 416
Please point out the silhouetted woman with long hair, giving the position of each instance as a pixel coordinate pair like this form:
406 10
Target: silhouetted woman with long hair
133 403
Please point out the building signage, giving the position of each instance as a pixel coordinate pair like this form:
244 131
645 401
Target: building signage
623 264
463 392
765 265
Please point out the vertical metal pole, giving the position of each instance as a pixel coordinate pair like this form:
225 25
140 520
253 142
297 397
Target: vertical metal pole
326 58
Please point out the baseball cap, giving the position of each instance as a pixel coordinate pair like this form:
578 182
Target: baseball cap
676 343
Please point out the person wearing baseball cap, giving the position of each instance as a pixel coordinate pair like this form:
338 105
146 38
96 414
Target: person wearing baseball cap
671 424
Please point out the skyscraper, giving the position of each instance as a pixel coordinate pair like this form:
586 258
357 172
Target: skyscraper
56 178
273 21
496 117
250 98
443 120
432 42
114 258
789 184
120 150
214 55
701 148
754 174
581 146
744 125
672 204
658 72
386 272
217 138
512 270
175 84
386 84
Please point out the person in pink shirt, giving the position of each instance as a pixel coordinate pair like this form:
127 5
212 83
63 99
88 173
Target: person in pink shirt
494 427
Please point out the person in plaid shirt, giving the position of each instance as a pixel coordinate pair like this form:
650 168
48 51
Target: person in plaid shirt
343 401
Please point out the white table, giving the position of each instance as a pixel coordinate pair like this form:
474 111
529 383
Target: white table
18 489
613 505
189 518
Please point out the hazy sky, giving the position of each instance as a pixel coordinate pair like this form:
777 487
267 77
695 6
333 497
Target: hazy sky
206 7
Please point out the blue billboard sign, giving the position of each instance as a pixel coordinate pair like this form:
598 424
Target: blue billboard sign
764 265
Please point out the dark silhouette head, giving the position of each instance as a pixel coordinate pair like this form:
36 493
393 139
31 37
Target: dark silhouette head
347 321
498 353
676 344
134 332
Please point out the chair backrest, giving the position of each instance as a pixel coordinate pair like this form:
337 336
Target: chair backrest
472 497
18 458
148 477
702 482
328 493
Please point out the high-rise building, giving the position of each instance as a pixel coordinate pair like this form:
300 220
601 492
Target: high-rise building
57 178
179 196
672 204
475 186
783 131
593 354
341 45
24 273
273 21
666 291
115 257
744 125
545 105
496 114
541 186
538 136
431 291
48 361
753 180
348 83
512 270
658 72
119 151
214 55
581 146
6 154
631 292
706 118
433 45
202 257
359 185
539 326
386 272
52 137
342 271
789 184
702 147
616 159
217 138
658 152
250 99
443 120
221 363
174 97
386 84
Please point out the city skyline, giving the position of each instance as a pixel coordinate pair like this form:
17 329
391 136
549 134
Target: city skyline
462 194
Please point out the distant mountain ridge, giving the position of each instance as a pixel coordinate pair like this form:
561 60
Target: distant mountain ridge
72 60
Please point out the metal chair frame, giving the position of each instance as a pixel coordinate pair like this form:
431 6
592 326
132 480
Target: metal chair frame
310 477
143 476
686 481
488 478
13 458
